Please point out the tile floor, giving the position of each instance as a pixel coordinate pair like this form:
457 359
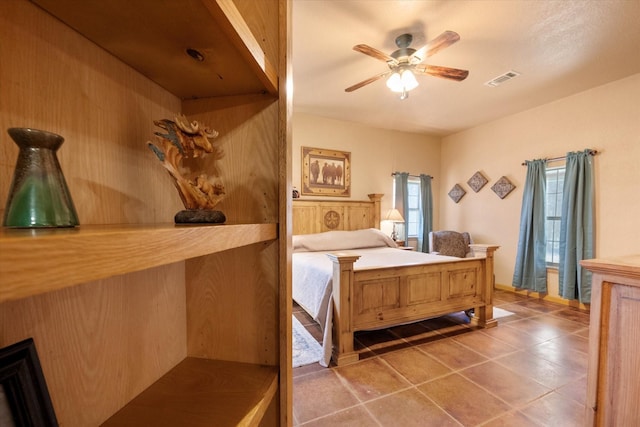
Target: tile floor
528 371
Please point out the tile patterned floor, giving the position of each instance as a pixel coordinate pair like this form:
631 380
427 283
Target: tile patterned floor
528 371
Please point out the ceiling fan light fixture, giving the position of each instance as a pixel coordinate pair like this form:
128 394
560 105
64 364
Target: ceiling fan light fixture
406 61
402 81
409 80
394 82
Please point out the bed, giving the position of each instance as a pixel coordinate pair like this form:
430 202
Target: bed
349 276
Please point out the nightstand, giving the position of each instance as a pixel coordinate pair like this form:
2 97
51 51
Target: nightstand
401 245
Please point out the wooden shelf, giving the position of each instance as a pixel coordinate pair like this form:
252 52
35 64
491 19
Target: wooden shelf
202 392
154 40
34 261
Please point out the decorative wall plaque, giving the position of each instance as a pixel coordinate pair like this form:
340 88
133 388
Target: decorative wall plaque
477 181
331 220
456 193
502 187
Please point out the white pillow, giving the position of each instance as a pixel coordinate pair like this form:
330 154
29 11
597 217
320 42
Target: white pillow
341 240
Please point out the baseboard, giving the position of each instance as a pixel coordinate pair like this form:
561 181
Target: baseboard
544 296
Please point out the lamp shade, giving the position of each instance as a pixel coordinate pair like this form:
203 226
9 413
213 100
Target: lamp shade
393 215
395 82
409 80
402 81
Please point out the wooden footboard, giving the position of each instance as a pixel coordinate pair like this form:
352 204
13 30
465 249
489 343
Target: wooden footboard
383 297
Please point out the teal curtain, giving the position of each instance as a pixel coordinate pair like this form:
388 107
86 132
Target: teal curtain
531 269
577 226
402 194
426 209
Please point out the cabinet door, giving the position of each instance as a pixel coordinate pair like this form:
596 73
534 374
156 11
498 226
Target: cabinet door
620 360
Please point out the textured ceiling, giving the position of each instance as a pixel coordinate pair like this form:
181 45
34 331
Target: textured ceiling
560 48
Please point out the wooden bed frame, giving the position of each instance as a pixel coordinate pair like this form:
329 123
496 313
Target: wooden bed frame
382 297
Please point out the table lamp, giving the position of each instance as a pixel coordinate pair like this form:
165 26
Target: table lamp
394 216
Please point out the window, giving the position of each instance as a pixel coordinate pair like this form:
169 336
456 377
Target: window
553 214
412 226
412 213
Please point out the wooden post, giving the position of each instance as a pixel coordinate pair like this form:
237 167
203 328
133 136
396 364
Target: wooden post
342 351
483 316
376 198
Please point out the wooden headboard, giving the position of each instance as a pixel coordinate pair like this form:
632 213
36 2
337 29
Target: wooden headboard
316 216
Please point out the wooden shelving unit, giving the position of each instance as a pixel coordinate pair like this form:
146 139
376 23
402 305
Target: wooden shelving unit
154 40
198 391
138 321
43 260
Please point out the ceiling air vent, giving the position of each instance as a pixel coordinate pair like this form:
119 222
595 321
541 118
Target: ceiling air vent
497 81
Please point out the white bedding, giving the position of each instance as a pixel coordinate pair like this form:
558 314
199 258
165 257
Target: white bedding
340 240
313 270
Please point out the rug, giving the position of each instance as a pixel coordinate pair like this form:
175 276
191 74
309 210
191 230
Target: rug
306 349
499 312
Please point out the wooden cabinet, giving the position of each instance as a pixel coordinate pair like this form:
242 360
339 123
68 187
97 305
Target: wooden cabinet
136 319
614 360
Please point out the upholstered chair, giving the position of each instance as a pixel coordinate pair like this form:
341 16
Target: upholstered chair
450 243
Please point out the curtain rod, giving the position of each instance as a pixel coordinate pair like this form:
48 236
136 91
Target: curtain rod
591 153
412 176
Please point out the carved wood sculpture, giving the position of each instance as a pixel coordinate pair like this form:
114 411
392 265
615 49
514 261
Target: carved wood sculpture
199 192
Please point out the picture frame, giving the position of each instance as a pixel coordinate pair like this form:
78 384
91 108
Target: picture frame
456 193
503 187
24 397
477 181
326 172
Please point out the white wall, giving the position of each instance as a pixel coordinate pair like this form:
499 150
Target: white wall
606 118
375 154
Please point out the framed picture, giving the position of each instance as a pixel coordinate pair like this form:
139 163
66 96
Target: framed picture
477 181
456 193
24 398
326 172
503 187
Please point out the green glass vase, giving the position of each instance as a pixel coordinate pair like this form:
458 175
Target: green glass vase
38 196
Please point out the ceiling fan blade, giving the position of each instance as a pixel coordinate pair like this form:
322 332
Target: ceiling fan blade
444 72
375 53
367 81
434 46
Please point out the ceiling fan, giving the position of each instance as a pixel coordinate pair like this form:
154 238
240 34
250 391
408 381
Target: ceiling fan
406 62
